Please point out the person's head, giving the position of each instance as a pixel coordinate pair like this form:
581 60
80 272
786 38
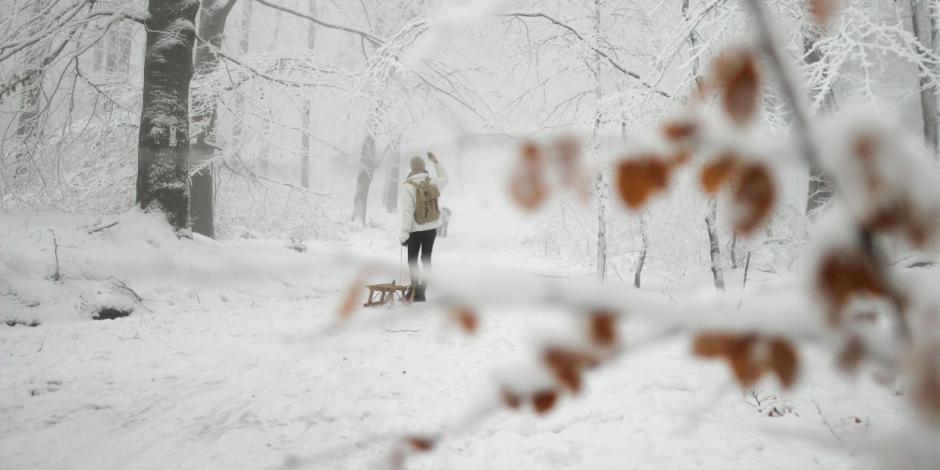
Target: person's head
417 164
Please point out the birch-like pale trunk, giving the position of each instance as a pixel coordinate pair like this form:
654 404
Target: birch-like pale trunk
307 108
600 187
163 144
644 238
714 249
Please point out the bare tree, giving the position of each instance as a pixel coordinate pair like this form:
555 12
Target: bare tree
711 218
924 31
163 144
367 164
600 185
392 182
27 128
307 108
212 17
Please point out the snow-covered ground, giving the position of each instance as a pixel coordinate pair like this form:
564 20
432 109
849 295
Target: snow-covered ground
225 363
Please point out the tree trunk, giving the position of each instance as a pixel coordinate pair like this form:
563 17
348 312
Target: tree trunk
714 248
711 218
212 17
119 47
244 44
163 145
307 108
599 186
923 31
644 237
819 191
27 126
364 179
392 183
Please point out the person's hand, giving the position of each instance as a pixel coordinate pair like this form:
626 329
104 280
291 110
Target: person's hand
432 157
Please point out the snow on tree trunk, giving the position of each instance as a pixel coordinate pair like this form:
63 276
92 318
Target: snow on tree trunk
392 181
600 188
244 45
924 31
711 218
27 126
713 247
212 17
306 109
364 179
119 48
644 237
163 145
819 190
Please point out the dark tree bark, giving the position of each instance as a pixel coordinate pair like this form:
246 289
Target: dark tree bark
714 249
163 145
212 17
924 31
364 180
644 238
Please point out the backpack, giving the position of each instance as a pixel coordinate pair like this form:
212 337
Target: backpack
426 194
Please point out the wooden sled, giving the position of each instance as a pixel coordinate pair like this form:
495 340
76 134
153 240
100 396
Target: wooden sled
385 294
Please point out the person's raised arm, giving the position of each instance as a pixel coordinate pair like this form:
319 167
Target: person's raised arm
441 180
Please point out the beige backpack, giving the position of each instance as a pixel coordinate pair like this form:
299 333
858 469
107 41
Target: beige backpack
426 195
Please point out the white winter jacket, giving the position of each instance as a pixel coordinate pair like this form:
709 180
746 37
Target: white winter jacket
406 202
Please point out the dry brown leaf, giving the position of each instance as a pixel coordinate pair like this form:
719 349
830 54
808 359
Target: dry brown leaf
639 179
544 401
352 299
710 345
927 380
755 194
603 329
784 361
530 152
738 78
919 228
823 10
421 444
679 131
851 354
510 398
467 319
717 172
565 366
843 275
745 366
528 190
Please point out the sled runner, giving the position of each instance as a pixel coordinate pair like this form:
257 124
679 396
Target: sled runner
382 294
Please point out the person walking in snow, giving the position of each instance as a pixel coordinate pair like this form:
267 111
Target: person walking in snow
420 218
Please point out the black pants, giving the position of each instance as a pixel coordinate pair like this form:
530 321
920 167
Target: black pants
422 242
